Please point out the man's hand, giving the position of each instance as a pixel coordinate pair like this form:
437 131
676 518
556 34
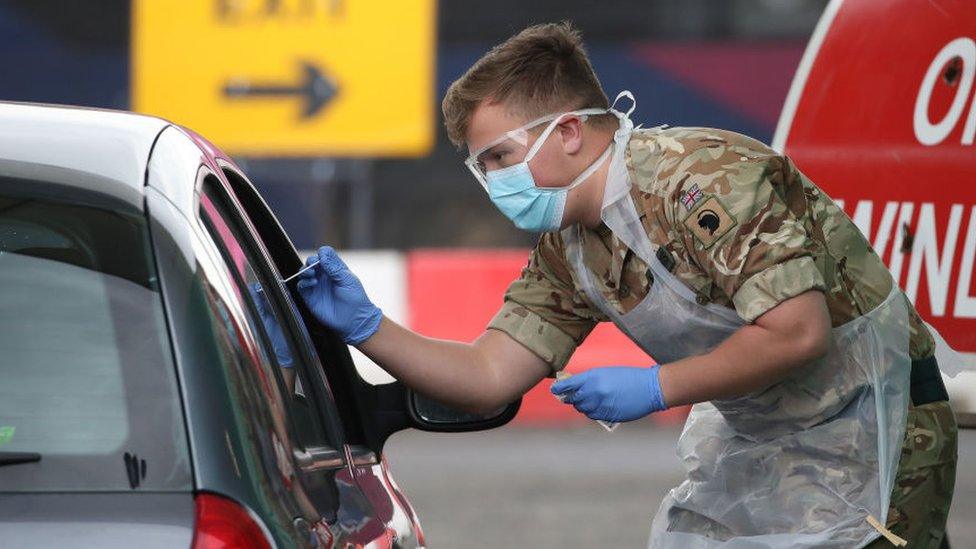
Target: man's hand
477 377
613 394
337 298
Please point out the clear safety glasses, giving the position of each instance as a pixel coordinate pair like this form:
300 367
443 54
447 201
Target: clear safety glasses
476 161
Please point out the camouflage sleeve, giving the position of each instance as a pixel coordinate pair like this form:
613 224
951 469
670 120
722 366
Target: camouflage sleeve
542 310
741 216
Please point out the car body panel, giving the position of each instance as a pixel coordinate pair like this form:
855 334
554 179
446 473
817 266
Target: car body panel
213 458
107 521
390 521
156 168
370 510
217 437
107 150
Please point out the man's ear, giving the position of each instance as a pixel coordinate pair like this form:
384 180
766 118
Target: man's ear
570 130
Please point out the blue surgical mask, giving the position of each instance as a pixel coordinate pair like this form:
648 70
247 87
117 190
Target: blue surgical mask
532 208
513 189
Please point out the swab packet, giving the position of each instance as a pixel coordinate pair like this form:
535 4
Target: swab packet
608 425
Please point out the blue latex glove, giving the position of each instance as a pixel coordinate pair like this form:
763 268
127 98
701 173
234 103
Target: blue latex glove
271 326
615 394
337 298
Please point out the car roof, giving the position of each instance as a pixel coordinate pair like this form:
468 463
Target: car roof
99 150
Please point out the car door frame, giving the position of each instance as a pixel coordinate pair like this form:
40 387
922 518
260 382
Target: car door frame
322 394
371 413
367 472
179 243
367 403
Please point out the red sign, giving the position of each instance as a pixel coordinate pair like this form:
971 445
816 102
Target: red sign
882 116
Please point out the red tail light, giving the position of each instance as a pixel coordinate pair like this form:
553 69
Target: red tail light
223 524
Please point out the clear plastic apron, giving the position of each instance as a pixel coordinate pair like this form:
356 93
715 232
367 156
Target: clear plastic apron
800 464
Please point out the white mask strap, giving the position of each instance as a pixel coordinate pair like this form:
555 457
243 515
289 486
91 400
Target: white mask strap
552 125
589 171
628 95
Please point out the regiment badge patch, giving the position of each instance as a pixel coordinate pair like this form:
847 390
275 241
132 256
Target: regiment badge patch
692 197
709 222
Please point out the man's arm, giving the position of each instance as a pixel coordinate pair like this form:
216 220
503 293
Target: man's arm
790 335
761 256
477 377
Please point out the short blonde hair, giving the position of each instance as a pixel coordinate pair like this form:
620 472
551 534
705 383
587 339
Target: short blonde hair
542 70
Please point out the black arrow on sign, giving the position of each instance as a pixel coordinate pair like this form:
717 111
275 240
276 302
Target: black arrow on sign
315 87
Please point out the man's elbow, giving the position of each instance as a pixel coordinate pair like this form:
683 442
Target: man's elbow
816 349
812 343
803 323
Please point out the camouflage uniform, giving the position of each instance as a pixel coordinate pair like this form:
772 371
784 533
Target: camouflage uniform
745 229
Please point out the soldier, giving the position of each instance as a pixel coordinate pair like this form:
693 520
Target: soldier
819 409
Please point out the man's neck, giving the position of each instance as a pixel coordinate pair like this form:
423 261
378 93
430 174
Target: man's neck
591 204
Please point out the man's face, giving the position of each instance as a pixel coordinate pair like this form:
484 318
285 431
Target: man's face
552 165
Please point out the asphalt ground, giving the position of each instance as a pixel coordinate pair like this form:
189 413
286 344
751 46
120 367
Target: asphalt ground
575 487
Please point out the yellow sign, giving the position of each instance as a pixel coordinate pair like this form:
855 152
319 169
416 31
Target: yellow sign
290 77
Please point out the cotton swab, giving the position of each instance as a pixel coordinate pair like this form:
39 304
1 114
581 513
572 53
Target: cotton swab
302 270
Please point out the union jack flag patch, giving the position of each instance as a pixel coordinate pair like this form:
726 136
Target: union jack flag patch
690 198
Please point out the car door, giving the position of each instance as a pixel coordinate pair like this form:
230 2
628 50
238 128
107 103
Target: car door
358 412
325 466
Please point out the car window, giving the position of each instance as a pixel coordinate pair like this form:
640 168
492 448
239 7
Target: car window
265 451
281 358
336 366
87 379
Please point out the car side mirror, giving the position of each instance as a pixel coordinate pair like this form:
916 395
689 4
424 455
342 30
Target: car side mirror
392 407
429 415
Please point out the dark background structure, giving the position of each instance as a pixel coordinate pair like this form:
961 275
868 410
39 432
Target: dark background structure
681 58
